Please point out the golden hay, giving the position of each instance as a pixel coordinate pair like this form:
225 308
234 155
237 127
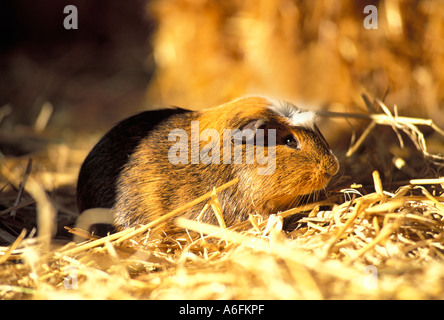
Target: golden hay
354 244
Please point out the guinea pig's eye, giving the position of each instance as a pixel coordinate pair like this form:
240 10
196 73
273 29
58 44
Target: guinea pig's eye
291 142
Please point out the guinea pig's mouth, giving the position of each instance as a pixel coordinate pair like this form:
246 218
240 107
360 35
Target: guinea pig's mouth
311 184
327 172
320 180
321 184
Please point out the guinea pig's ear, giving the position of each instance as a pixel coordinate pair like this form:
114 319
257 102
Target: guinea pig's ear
247 133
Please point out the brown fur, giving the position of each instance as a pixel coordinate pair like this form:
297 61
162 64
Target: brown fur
149 186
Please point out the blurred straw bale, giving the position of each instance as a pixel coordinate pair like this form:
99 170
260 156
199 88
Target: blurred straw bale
207 52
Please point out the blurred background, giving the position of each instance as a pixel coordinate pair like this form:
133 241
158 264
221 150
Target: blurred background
60 90
91 76
128 56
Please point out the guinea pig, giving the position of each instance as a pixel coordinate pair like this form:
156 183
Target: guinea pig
156 161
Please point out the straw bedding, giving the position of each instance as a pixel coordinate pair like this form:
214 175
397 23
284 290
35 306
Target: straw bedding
375 233
357 242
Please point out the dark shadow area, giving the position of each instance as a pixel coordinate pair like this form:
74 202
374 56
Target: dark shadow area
86 79
92 76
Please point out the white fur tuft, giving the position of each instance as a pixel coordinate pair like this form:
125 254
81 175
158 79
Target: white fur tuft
295 116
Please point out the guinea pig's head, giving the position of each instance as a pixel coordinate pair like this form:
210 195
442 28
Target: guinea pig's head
291 157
